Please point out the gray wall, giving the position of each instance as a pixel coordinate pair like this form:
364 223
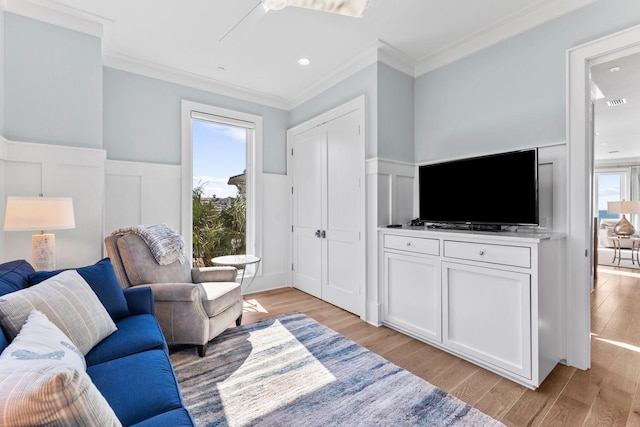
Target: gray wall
511 95
395 115
142 120
52 84
389 109
364 82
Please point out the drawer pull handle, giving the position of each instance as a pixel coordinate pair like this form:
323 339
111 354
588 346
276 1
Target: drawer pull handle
408 243
481 253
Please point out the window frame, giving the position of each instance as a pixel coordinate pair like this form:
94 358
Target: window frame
253 174
625 180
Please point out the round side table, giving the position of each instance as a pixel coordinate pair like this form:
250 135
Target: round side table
239 261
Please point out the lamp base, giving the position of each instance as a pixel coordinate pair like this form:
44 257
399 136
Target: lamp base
43 252
624 227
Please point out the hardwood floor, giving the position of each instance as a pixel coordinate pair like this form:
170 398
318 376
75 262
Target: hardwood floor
606 395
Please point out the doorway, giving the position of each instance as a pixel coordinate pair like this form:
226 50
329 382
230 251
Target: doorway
580 161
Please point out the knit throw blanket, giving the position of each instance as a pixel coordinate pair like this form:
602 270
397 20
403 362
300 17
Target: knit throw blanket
165 243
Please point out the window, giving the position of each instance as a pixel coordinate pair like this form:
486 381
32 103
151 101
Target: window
236 135
219 189
610 185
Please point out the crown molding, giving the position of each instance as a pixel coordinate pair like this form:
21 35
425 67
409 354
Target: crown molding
378 51
173 75
59 15
497 32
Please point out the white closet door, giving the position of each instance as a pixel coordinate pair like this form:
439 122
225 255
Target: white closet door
341 284
327 167
307 212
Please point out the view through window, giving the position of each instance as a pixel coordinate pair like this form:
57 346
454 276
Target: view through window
219 190
610 188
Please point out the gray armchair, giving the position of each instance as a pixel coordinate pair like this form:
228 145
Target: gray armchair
192 305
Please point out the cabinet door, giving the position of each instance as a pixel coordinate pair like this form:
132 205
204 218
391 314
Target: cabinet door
412 294
487 315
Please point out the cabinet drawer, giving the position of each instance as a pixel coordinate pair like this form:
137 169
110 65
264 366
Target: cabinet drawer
412 244
517 256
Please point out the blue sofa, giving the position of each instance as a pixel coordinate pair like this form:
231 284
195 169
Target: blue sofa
131 367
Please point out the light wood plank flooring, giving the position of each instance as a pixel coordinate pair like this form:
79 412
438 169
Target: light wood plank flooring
606 395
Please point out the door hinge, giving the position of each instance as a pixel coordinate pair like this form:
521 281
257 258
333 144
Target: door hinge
292 228
291 267
292 151
291 190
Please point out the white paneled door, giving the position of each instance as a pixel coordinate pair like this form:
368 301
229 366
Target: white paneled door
327 167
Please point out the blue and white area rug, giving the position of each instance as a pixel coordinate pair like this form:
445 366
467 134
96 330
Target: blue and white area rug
292 371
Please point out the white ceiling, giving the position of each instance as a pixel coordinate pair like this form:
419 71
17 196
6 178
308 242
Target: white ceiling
617 127
180 40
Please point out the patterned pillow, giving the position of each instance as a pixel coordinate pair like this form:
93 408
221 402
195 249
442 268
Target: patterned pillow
43 381
102 280
68 302
40 339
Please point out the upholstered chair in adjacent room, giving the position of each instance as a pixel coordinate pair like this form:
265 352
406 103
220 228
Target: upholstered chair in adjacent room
192 305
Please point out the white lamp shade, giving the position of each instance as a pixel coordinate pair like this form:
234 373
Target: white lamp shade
39 213
623 207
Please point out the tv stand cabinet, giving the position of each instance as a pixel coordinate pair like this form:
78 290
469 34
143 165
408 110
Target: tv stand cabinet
494 299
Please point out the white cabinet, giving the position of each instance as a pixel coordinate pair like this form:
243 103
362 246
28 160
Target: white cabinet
494 299
487 315
412 294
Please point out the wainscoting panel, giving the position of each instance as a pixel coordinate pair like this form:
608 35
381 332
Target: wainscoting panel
57 171
141 193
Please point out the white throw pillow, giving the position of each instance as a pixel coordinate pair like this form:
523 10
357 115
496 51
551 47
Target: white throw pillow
40 339
43 381
68 302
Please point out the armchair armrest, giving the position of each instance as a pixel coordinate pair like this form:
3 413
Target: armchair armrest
139 300
172 292
214 274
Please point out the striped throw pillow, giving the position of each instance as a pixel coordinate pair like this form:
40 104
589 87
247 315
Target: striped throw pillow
43 381
68 302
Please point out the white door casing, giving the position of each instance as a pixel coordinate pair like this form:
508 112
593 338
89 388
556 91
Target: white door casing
326 166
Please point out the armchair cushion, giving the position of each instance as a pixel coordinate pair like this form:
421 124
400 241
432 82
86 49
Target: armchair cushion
142 268
102 280
219 296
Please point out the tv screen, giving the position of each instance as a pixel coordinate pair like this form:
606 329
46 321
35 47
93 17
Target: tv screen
499 189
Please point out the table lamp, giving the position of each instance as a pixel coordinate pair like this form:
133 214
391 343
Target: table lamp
623 227
40 213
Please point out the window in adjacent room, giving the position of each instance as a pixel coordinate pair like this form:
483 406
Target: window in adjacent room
610 186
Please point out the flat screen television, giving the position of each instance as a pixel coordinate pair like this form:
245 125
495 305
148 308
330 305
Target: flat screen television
482 192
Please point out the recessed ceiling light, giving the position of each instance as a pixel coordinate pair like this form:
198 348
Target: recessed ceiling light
614 69
304 61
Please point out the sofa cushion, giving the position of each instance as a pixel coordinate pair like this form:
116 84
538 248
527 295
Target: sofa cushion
148 388
218 296
134 334
43 381
14 276
142 268
102 279
174 418
68 301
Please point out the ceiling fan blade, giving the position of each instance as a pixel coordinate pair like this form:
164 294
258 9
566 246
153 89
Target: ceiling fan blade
343 7
252 17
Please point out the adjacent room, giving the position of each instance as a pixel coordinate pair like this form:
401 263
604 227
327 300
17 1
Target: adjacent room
317 212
